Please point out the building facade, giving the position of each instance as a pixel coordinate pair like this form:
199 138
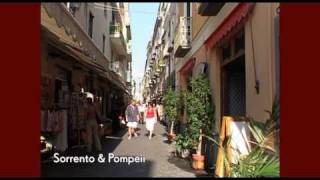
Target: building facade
86 47
235 44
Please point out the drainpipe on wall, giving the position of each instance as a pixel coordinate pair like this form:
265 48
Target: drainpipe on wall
257 82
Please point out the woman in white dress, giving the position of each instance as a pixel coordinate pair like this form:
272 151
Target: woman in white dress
151 116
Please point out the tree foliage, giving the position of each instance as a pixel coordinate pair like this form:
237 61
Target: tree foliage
171 103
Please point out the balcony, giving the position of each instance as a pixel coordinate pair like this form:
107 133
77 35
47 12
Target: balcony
182 41
162 63
170 47
128 76
153 57
151 63
129 46
117 38
115 67
209 9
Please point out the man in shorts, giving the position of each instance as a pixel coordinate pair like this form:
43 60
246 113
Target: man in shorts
132 117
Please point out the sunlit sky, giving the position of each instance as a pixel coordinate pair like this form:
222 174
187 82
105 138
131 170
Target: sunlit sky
142 17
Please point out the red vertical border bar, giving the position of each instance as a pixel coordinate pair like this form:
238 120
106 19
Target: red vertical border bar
300 88
20 90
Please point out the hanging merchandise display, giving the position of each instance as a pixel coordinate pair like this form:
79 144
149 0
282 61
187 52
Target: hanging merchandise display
54 114
61 142
54 125
47 85
77 111
77 107
52 121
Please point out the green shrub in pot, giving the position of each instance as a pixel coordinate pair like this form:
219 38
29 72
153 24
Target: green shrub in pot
171 103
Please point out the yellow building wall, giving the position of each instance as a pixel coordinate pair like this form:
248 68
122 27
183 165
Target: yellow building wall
215 81
181 9
263 39
197 20
263 32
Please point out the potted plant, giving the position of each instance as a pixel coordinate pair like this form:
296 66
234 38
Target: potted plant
263 159
171 110
200 113
183 145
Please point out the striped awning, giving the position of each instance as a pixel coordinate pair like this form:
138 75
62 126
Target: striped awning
237 16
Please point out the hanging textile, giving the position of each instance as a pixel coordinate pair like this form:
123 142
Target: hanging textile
61 142
44 119
77 111
52 121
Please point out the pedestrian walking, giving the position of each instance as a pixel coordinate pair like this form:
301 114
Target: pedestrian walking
151 119
160 111
156 106
141 107
92 125
132 116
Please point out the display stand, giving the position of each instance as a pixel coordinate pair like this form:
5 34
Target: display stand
234 142
75 111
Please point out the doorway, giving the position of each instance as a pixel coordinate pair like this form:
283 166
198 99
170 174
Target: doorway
233 76
234 88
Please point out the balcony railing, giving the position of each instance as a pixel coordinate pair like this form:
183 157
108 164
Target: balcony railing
182 41
128 76
115 30
129 46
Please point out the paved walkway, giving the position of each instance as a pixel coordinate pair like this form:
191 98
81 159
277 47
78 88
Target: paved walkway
156 152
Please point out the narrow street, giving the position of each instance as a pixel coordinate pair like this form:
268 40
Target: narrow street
156 152
206 67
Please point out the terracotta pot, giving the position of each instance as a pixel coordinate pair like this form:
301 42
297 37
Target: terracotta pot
171 137
197 162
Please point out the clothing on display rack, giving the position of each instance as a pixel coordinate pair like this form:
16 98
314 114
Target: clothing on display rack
44 116
61 142
52 121
55 122
77 123
77 111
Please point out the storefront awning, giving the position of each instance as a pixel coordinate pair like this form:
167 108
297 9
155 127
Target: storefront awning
235 17
51 24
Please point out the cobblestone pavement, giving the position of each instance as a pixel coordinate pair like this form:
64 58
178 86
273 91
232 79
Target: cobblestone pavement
156 152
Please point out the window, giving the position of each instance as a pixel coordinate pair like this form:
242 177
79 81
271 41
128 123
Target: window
113 17
226 52
90 24
233 48
233 76
188 14
105 9
188 9
103 43
239 43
